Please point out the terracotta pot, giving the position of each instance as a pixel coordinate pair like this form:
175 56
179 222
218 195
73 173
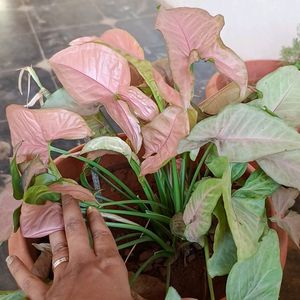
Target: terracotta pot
71 168
256 70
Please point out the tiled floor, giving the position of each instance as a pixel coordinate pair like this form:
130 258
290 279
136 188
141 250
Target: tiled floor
31 31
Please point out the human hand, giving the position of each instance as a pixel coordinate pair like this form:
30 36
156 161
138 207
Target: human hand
97 273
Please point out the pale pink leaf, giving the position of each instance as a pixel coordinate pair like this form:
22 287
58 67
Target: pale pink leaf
142 106
192 34
123 40
167 92
283 199
121 114
91 73
42 126
40 220
75 190
162 136
94 73
8 204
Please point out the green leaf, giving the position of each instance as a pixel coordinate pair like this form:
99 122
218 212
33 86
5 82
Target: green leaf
172 294
281 94
39 194
245 210
16 180
259 276
16 218
61 99
198 212
217 165
225 252
243 133
45 179
12 295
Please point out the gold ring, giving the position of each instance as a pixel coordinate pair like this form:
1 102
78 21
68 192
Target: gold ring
59 261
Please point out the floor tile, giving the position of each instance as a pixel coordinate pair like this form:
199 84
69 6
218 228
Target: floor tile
155 53
13 23
62 15
125 9
6 280
9 93
56 40
143 30
18 51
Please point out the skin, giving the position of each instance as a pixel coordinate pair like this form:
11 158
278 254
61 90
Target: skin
90 273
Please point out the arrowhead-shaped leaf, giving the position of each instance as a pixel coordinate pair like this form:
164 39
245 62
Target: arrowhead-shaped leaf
162 136
281 94
192 34
94 73
245 211
259 276
243 133
197 215
42 126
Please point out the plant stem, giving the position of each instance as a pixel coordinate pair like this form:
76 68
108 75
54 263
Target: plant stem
188 194
209 279
177 199
140 240
182 173
98 167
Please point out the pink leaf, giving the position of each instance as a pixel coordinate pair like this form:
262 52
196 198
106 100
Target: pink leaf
91 73
121 114
75 190
142 106
192 34
123 40
166 91
42 126
83 40
40 220
94 73
8 204
162 136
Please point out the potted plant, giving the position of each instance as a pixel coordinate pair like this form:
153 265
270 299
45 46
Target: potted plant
181 195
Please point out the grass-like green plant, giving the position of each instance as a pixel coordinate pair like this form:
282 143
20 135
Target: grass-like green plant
192 168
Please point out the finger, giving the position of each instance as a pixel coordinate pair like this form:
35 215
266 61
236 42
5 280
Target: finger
104 243
32 286
76 232
59 248
42 265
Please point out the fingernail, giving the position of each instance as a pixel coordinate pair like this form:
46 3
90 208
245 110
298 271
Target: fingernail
90 209
9 260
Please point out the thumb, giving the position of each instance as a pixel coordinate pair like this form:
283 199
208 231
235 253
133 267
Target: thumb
32 286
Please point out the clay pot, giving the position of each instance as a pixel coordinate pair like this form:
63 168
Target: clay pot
256 70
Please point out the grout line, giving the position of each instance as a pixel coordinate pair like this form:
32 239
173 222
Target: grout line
38 42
